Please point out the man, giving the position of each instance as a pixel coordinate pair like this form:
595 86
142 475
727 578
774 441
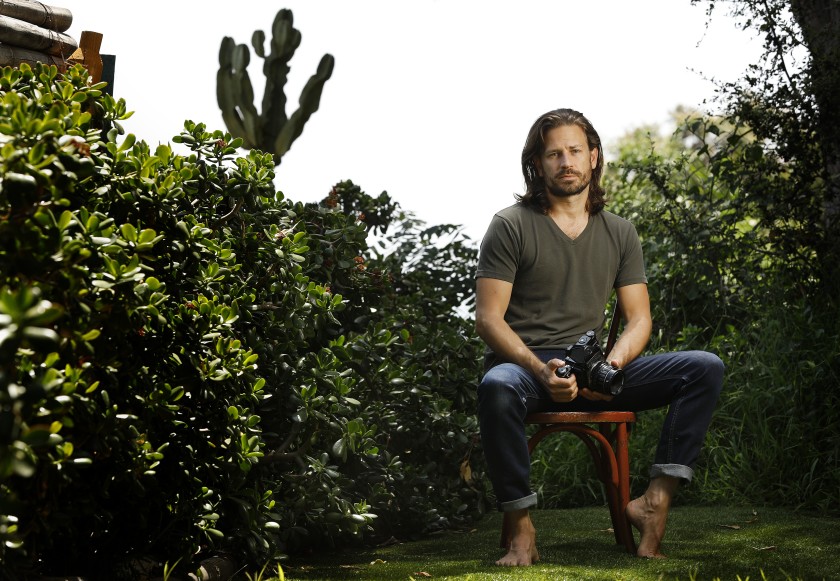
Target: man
547 267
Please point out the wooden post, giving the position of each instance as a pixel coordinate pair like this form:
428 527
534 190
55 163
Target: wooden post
88 54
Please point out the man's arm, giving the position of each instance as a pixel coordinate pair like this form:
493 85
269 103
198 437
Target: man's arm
635 306
492 299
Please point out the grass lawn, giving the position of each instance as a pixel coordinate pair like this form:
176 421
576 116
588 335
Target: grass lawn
703 543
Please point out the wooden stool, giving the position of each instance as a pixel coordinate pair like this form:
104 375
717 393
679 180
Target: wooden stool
606 437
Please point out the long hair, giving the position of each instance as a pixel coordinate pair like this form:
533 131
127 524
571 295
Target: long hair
535 195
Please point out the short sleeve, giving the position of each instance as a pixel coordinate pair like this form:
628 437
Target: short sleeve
631 268
499 253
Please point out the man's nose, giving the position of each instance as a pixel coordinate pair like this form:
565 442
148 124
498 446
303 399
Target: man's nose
564 160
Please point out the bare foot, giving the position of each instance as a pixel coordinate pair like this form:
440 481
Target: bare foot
522 545
649 514
650 526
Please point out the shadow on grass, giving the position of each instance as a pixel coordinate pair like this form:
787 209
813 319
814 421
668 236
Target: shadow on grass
703 543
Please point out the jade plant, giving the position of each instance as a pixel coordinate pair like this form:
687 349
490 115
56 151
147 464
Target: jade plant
192 365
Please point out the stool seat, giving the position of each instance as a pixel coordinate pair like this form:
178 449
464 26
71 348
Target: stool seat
580 417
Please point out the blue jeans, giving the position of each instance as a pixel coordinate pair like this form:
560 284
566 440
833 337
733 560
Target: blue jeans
689 382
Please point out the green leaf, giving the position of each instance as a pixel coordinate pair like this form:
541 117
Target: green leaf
129 232
91 335
128 142
339 449
147 235
65 220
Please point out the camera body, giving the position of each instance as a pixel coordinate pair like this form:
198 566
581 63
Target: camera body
586 360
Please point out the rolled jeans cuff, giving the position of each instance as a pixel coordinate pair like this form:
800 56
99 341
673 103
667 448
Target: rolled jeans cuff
674 470
519 503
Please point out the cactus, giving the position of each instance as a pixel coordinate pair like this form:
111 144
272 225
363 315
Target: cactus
270 131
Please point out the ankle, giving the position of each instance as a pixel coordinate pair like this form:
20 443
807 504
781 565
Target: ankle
661 491
519 521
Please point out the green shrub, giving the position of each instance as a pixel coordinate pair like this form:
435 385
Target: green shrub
190 363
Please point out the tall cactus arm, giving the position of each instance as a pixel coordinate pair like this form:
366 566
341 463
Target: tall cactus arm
234 92
285 40
310 99
258 42
245 96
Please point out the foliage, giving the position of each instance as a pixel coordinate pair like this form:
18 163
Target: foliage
711 250
270 130
190 363
410 362
776 434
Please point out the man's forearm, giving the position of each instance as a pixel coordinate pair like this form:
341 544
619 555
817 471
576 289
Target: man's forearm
506 344
631 343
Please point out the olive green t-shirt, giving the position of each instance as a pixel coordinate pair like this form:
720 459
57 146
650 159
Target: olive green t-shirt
560 286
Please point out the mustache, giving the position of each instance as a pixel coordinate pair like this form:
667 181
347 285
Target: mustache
567 172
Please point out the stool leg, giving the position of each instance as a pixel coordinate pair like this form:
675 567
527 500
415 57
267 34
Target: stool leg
612 484
623 461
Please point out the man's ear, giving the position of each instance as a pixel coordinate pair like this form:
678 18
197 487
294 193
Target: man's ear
538 166
593 157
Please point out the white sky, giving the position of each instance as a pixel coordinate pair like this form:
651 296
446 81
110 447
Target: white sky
430 100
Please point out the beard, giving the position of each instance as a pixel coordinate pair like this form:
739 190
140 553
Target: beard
568 189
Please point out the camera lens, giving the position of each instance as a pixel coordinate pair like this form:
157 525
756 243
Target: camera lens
608 379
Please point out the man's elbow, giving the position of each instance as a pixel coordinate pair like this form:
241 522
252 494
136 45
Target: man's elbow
644 327
479 326
482 325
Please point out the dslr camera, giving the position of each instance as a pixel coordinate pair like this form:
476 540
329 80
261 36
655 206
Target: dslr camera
586 360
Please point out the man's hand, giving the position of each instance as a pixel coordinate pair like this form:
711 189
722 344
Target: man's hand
587 393
560 389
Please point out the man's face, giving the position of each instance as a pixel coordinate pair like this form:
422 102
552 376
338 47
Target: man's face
566 163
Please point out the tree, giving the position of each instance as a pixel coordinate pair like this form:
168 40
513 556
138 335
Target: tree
790 99
819 22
